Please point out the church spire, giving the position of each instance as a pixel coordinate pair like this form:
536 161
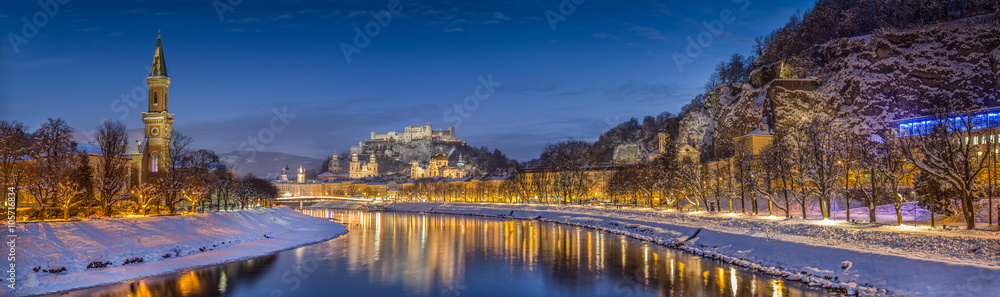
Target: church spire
159 66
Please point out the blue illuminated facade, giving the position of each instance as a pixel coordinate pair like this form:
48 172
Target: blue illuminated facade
986 118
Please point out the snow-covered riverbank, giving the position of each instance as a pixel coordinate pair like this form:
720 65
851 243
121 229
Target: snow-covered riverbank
870 260
90 253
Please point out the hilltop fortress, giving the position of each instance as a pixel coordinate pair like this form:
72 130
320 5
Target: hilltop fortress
411 133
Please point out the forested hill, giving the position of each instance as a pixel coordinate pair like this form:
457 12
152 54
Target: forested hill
634 132
395 157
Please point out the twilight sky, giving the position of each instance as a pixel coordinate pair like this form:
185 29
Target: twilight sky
233 63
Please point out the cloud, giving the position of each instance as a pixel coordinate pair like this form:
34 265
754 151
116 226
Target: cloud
357 13
452 30
500 16
491 22
642 92
248 20
534 87
41 63
647 32
280 17
137 10
116 34
88 29
605 35
310 10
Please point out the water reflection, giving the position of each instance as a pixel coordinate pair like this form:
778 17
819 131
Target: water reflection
201 282
394 254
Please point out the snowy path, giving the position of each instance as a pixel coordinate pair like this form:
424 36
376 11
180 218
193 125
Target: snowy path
245 234
881 260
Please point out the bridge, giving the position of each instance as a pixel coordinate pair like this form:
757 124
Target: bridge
322 198
302 199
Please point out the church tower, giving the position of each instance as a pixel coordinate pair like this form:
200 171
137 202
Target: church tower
158 121
301 177
372 166
334 166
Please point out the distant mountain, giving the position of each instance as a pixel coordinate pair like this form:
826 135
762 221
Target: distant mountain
264 163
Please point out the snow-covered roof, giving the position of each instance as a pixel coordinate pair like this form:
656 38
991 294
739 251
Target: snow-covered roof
86 138
760 132
89 148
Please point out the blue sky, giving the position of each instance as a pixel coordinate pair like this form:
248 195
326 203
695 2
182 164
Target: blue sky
232 66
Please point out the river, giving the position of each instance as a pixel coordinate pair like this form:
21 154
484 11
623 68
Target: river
413 254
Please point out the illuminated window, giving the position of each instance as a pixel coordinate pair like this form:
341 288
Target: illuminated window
154 165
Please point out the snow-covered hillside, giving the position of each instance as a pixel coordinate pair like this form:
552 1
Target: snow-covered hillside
61 256
868 81
895 74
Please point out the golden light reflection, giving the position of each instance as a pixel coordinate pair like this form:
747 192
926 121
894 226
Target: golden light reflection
383 248
189 284
778 286
720 277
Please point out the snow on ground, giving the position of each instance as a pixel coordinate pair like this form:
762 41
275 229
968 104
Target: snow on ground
144 247
870 260
884 214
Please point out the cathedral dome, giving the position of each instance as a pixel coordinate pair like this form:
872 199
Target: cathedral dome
440 155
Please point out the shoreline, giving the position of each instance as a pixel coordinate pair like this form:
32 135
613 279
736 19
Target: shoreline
862 269
289 229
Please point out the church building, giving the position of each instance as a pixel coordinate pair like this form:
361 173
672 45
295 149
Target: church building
358 170
153 151
438 167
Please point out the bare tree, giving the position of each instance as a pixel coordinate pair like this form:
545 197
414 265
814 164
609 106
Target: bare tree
694 180
113 167
664 174
949 149
14 147
74 190
819 144
144 195
570 161
718 182
223 187
518 184
894 167
775 159
53 153
744 175
869 166
171 185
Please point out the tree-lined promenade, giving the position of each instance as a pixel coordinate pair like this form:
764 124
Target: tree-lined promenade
946 165
59 178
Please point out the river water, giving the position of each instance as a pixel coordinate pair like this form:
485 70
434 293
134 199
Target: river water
412 254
